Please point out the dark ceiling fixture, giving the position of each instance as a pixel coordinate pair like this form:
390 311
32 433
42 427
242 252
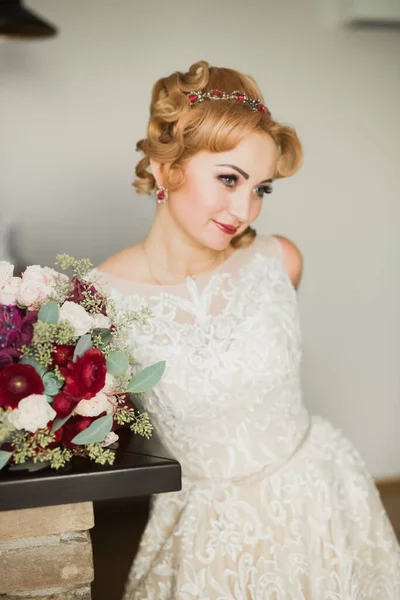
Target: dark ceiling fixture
17 22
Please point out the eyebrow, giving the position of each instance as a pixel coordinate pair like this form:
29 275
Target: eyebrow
243 173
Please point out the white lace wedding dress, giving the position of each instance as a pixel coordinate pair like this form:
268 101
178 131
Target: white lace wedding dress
276 504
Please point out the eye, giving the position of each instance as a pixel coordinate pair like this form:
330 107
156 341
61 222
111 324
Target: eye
263 189
228 180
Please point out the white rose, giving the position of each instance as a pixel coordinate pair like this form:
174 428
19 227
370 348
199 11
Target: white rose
109 439
6 272
101 322
33 412
76 315
9 293
95 406
32 292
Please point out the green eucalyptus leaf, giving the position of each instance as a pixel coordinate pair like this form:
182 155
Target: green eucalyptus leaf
27 360
117 363
30 466
57 423
49 313
52 385
4 458
147 378
105 334
96 432
84 344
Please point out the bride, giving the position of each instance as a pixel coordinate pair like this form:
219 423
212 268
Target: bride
275 503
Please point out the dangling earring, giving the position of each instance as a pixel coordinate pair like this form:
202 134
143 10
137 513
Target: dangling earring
161 194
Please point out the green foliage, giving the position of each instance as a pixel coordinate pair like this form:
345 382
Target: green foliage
52 385
100 455
79 266
45 336
117 363
142 425
92 303
30 445
49 313
147 378
5 427
4 458
96 432
62 289
84 344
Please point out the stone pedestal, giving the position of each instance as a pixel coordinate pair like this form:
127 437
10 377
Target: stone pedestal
46 553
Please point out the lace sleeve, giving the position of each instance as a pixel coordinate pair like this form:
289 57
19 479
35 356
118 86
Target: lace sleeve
270 246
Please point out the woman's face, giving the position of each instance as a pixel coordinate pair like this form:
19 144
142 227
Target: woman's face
223 192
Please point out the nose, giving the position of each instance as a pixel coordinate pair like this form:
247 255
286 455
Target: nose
239 206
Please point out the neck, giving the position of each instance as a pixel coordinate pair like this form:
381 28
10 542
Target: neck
173 256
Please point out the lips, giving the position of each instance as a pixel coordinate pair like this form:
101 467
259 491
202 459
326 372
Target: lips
226 228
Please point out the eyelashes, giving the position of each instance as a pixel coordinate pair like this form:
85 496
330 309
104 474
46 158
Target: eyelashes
230 181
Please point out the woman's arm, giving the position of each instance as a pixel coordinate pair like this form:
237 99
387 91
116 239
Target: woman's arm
293 260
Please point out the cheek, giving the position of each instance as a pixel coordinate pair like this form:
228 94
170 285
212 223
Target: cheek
255 209
202 197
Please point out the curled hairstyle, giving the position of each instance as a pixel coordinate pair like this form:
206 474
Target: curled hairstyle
176 131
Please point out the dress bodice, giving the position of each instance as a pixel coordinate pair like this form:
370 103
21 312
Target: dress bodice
230 401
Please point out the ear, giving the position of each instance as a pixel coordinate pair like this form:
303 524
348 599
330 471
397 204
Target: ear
157 169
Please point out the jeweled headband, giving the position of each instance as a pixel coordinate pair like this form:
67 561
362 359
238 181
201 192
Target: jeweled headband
236 96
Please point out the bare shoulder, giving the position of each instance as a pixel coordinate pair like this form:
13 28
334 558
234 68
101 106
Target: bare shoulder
293 259
125 263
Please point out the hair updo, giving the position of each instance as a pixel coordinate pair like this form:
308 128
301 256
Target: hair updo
177 131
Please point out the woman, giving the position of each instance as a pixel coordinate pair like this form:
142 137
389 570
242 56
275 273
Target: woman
275 504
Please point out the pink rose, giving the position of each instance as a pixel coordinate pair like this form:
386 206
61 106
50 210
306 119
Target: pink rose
32 292
37 284
9 293
110 438
95 406
6 272
44 274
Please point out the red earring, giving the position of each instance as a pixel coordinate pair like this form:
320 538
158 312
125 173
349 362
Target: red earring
161 194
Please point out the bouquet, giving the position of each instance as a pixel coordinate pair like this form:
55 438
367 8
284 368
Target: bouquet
66 368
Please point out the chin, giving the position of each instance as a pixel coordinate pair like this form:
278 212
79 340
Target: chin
218 240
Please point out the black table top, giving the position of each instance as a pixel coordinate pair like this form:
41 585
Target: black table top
141 468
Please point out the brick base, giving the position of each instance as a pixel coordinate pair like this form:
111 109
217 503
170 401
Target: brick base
82 593
46 553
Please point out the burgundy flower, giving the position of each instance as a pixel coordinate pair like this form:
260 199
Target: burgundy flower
64 404
10 325
58 437
8 356
63 355
87 376
27 326
80 287
17 382
73 426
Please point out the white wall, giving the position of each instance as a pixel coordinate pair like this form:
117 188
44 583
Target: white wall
73 107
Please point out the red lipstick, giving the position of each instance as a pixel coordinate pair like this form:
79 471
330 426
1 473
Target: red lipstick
229 229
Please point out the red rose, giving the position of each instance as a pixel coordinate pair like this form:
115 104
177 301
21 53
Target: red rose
73 426
17 382
63 404
63 354
87 376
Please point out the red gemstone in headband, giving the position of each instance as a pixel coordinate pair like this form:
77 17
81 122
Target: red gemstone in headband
196 98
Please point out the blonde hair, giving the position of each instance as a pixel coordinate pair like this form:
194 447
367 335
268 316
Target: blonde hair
176 131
